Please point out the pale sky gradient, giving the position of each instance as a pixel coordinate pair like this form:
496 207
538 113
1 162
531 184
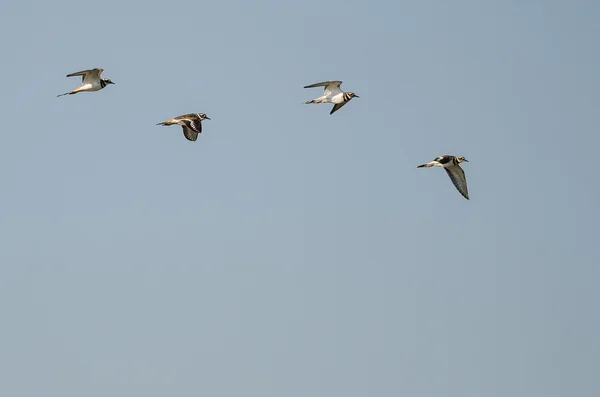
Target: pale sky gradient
287 252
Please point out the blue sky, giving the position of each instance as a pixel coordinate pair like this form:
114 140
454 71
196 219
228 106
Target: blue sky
288 252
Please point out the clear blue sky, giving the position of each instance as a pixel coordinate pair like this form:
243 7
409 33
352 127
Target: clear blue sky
287 252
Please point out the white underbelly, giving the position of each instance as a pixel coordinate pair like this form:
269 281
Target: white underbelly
92 86
96 87
337 98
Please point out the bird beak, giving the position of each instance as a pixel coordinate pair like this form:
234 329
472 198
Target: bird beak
207 118
356 96
111 82
466 160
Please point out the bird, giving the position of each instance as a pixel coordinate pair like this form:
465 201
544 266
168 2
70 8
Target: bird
191 123
90 81
452 167
332 94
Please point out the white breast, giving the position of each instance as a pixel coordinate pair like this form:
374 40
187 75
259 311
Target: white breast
90 87
338 98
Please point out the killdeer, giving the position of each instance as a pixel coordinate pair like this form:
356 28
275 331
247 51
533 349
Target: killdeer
452 167
191 123
333 94
91 81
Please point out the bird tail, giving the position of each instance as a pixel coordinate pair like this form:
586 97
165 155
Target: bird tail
322 99
425 165
168 122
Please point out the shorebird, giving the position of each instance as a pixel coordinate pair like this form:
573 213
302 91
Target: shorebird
191 123
452 167
333 94
90 81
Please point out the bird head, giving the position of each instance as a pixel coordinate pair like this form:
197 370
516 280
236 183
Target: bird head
353 95
461 159
108 81
202 116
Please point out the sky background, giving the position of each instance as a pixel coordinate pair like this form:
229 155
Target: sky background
287 252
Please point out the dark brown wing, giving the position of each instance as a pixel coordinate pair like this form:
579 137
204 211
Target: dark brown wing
457 176
96 72
337 107
188 116
335 83
191 128
190 134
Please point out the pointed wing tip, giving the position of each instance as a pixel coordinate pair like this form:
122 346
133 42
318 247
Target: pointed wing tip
190 135
324 84
337 107
457 176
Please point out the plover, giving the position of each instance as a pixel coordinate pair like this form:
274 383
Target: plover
333 94
452 167
191 123
91 81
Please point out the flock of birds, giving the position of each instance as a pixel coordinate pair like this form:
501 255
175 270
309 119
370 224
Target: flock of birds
192 122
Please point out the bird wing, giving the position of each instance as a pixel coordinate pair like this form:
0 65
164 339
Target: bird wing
191 128
185 117
190 134
457 176
331 87
337 107
443 159
87 74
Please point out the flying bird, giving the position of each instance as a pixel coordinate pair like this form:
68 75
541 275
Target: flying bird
90 81
332 94
191 123
452 167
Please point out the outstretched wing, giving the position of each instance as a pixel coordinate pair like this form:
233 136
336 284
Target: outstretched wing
457 176
325 84
331 87
87 74
191 128
190 134
337 107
